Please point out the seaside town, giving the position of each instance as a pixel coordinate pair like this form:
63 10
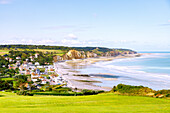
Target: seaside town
41 68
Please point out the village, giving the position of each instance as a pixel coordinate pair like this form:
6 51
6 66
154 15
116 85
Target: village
38 74
41 70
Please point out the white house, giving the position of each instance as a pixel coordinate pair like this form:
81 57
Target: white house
36 55
37 63
18 58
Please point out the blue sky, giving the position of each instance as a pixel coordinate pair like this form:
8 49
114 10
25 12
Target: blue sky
135 24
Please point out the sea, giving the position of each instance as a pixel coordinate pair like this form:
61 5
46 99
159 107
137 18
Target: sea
150 70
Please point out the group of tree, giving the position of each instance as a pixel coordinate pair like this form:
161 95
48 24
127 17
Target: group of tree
64 48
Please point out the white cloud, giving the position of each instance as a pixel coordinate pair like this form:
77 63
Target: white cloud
60 27
5 1
30 41
71 37
70 42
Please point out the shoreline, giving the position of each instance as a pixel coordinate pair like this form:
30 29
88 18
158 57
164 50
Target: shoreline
77 80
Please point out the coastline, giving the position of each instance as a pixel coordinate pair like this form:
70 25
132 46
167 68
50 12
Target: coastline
77 80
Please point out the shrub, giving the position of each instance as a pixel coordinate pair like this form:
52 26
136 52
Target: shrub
25 93
132 90
168 95
91 92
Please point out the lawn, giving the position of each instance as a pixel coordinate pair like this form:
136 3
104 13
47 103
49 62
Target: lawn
102 103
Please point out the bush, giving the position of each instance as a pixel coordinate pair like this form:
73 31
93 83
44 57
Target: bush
168 95
65 89
91 92
25 93
132 90
8 90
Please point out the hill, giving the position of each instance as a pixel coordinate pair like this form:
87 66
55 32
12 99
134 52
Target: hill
65 48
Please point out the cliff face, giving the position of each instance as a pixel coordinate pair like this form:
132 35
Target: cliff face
74 54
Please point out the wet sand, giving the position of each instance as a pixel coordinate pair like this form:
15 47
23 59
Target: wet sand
67 69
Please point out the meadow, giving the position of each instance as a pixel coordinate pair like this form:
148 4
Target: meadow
56 52
101 103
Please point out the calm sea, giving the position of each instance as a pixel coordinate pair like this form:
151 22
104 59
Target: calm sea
151 70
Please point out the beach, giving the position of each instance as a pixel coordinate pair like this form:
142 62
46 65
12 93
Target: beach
76 80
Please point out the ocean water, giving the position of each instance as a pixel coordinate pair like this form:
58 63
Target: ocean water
151 70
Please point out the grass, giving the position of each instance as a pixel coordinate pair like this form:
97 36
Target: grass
7 79
58 52
45 75
102 103
4 51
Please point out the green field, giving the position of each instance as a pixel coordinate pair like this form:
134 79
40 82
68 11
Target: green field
102 103
57 52
3 52
7 79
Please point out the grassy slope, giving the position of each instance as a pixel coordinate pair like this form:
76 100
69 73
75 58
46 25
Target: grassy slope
10 103
58 52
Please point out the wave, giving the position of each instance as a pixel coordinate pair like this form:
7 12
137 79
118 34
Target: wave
134 72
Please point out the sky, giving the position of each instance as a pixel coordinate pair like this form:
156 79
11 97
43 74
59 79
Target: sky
141 25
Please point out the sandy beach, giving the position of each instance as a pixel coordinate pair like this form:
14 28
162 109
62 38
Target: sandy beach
67 70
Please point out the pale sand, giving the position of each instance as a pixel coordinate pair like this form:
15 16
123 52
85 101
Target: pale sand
66 70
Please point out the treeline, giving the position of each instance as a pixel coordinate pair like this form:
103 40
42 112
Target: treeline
65 48
101 49
34 47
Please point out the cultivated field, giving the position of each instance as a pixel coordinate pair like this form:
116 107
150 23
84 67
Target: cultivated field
102 103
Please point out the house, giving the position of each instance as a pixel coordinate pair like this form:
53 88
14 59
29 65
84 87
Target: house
34 79
18 63
43 82
30 63
40 66
10 60
37 71
18 58
36 55
11 67
37 63
6 58
50 67
27 72
32 58
27 60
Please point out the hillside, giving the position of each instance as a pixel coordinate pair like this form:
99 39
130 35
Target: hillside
102 103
